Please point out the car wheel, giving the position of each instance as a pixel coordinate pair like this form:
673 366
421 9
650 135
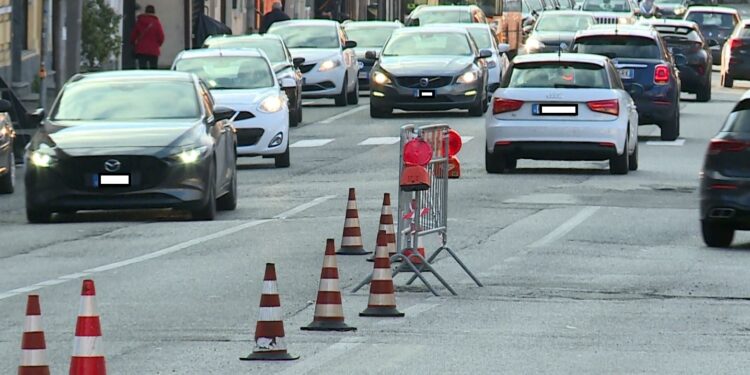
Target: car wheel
477 108
633 159
670 130
228 201
495 163
353 97
727 81
380 112
341 98
704 95
620 164
36 215
8 181
208 210
293 119
716 235
282 160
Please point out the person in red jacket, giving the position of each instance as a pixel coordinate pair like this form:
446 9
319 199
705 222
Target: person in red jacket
147 38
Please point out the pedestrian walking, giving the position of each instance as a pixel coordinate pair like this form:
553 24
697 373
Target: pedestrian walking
275 15
147 38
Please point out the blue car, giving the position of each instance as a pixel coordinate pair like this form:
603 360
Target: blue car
646 69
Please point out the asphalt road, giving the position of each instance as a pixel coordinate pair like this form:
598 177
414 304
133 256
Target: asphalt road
584 272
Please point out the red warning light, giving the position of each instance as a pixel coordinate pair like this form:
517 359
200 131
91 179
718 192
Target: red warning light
417 152
454 142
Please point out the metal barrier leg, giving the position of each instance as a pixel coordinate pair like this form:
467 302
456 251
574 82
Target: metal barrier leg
418 273
458 260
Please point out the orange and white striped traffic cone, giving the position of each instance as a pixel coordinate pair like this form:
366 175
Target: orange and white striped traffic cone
382 296
270 344
88 355
414 259
329 313
386 224
351 241
33 347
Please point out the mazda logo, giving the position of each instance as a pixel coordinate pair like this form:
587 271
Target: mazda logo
112 165
424 82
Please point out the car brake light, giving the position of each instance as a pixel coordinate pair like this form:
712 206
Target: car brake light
611 106
735 43
717 146
501 105
661 74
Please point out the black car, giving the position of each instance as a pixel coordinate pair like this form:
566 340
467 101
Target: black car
7 157
735 56
724 186
684 38
370 36
429 68
716 23
132 140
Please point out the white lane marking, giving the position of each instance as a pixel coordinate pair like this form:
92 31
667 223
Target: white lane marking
343 114
566 227
160 253
466 139
678 142
327 355
311 143
379 141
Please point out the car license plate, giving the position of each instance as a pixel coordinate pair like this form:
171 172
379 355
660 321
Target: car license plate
362 75
114 180
555 109
626 73
424 93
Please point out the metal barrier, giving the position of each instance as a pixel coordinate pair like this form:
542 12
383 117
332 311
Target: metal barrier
425 212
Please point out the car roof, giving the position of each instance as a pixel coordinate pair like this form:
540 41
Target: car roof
669 22
305 23
449 8
708 9
128 75
221 52
245 37
372 24
629 30
441 27
465 26
564 57
566 13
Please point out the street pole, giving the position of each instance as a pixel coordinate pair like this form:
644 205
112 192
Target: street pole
43 55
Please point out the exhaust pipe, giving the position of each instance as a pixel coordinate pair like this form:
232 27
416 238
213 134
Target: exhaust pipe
721 213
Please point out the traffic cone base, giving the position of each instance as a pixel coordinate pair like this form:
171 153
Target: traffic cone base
270 356
382 312
333 325
353 251
33 370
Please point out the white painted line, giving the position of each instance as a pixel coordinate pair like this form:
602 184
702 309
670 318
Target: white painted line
678 142
566 227
166 251
466 139
343 114
313 364
379 141
311 143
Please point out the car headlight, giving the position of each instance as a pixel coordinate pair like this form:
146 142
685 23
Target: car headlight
328 65
380 78
680 10
468 77
534 44
41 160
4 132
271 104
191 156
624 20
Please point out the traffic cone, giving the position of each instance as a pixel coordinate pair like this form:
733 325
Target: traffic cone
382 297
386 224
415 260
88 356
329 314
351 241
33 348
270 344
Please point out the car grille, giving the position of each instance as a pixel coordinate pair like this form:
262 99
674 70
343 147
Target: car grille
248 137
81 172
606 20
306 68
244 115
416 82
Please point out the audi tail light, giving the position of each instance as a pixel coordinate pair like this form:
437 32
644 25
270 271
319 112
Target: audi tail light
501 105
661 75
611 107
717 146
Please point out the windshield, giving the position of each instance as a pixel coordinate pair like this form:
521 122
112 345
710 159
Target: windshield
614 46
135 99
558 75
564 23
620 6
723 20
315 36
272 48
535 5
443 16
428 43
669 2
227 73
482 38
370 36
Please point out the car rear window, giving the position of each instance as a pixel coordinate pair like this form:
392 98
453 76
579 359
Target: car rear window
558 75
678 34
723 20
745 33
739 120
618 46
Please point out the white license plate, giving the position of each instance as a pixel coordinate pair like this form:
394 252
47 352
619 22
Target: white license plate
362 75
114 180
424 93
626 73
555 109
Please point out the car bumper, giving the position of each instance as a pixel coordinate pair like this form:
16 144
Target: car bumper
326 84
255 135
739 67
656 105
693 78
729 206
458 96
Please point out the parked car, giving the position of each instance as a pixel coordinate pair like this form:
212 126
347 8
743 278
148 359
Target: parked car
724 185
562 107
132 139
242 79
556 28
370 36
716 23
436 14
284 65
648 71
611 11
684 38
7 155
735 56
330 69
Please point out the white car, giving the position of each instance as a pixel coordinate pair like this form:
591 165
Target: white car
562 107
611 11
330 69
242 79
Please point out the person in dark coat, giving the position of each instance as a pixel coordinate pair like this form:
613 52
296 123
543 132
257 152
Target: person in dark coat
147 38
275 15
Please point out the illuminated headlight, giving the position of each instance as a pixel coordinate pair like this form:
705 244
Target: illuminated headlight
680 10
271 104
534 44
192 156
328 65
41 160
380 78
623 20
468 77
4 132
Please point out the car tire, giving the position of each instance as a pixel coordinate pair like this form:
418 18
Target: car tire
705 94
477 108
633 159
282 160
620 164
495 163
353 97
341 99
716 235
207 211
36 215
228 201
380 112
727 81
293 119
670 130
8 181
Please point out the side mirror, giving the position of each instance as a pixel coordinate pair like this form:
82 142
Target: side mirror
350 44
484 54
298 61
713 42
288 83
37 116
503 48
5 105
371 55
222 113
680 59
